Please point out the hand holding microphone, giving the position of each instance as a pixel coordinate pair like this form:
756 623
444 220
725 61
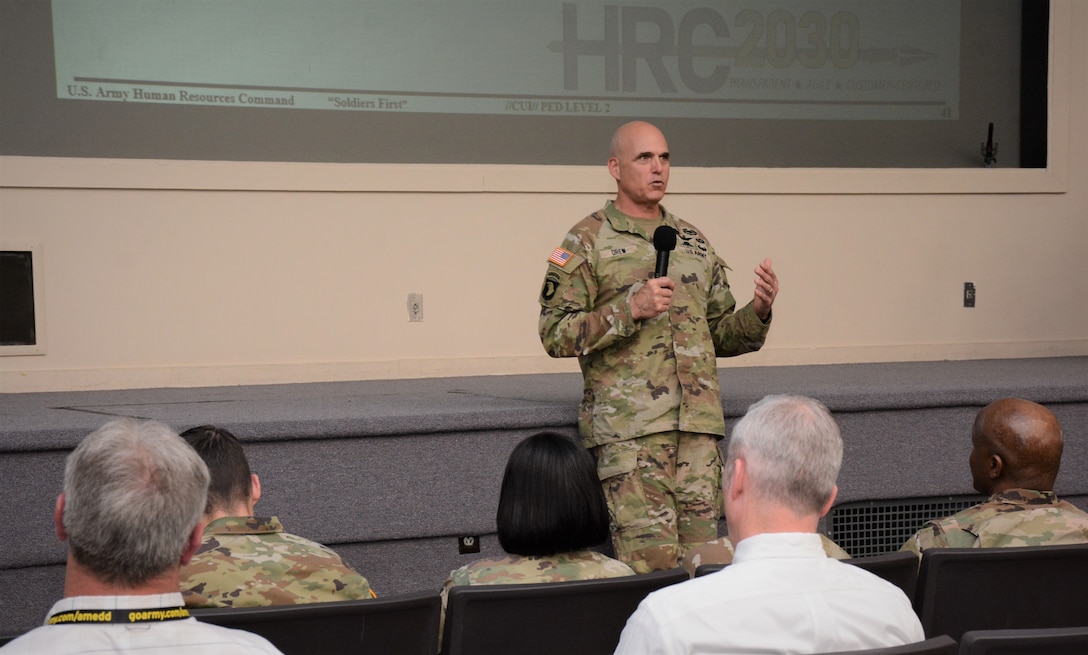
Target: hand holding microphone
656 295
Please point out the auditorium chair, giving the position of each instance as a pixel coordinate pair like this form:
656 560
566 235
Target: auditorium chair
4 639
404 624
900 569
583 617
962 589
1027 641
939 645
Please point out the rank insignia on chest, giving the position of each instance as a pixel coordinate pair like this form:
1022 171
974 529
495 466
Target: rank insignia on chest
560 257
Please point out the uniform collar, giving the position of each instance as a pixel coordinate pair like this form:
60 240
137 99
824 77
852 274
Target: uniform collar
1025 497
621 222
244 525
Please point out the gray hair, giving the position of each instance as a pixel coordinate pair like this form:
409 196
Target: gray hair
793 448
134 491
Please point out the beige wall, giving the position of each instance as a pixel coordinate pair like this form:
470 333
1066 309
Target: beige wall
211 273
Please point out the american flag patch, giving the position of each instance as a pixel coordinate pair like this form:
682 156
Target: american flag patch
560 257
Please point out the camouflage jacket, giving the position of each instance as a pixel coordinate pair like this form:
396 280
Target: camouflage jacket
519 569
654 375
1017 517
251 561
514 569
720 551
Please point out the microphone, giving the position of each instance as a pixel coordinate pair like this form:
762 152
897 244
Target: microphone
664 242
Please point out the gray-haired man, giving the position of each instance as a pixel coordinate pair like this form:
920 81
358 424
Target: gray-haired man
134 492
782 593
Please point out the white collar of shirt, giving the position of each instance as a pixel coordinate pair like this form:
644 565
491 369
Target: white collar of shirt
149 601
771 545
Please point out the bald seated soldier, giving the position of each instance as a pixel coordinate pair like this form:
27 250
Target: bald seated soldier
1015 455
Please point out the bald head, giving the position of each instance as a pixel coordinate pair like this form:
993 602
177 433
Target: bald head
1017 444
625 136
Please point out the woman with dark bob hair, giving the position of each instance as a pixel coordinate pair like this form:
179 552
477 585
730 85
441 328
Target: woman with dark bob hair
551 513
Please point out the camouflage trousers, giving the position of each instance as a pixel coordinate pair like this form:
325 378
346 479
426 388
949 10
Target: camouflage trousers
664 495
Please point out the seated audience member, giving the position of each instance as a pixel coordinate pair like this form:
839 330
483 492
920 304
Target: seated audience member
130 512
720 551
551 512
1015 454
782 593
245 560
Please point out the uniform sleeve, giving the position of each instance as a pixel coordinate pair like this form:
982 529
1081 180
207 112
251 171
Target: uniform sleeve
911 545
734 332
719 551
572 321
935 535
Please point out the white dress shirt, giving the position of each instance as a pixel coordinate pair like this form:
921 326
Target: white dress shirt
781 594
178 637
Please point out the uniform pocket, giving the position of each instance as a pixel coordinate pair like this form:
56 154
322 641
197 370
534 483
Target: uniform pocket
616 459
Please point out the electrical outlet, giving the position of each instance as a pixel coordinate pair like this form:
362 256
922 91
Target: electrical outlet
468 544
968 294
415 307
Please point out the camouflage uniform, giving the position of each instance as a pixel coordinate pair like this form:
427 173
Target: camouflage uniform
250 561
515 569
1017 517
720 551
520 569
656 376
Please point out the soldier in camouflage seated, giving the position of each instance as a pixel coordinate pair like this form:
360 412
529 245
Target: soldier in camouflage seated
1017 448
551 513
245 560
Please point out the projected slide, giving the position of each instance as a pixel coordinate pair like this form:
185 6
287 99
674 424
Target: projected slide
791 59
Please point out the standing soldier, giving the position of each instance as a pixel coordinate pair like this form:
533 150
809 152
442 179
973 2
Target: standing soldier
651 410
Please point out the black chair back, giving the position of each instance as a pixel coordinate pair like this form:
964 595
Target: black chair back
939 645
583 617
707 569
1052 641
900 569
405 624
4 639
962 589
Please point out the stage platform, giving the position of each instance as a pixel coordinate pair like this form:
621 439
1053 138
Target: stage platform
389 473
